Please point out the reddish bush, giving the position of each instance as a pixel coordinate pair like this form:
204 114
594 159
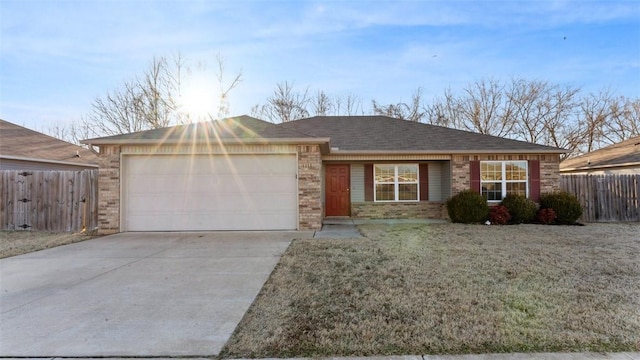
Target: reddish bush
499 215
547 216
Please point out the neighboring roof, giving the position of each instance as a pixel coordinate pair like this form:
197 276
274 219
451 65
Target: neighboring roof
241 129
623 154
382 134
20 143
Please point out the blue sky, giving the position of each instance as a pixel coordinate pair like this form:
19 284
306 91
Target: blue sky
57 56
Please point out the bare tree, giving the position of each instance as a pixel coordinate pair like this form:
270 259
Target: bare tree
530 110
147 102
414 111
223 105
541 109
624 120
564 133
350 105
321 104
71 132
284 104
485 109
531 100
595 111
443 110
533 111
287 104
150 101
155 95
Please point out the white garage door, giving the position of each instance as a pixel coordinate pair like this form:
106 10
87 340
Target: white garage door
209 192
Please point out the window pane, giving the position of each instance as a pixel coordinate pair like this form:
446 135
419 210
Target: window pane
407 173
385 173
492 191
516 170
517 188
408 192
490 171
385 192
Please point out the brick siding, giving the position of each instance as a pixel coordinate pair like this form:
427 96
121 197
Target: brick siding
549 170
309 187
109 190
409 210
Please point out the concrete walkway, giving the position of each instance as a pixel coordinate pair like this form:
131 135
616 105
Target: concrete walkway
134 294
345 227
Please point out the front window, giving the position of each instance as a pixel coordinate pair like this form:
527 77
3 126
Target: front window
396 182
499 178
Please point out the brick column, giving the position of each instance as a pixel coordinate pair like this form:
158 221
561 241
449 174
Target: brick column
549 173
109 190
309 187
460 174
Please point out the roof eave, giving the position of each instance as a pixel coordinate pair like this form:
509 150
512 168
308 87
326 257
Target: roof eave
452 152
598 167
98 142
58 162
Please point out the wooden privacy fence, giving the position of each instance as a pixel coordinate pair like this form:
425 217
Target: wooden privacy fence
604 198
49 200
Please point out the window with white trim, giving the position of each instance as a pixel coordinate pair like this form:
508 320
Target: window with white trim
499 178
395 182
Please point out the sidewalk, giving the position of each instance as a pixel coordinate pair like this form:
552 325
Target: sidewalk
516 356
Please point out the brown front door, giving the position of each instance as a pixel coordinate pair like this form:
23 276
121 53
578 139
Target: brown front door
337 197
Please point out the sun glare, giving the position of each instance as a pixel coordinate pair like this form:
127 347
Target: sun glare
198 98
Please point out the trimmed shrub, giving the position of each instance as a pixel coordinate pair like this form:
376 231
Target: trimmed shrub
567 207
522 210
499 215
468 207
546 216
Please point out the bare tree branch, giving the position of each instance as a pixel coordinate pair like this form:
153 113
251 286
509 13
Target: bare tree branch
414 111
624 120
321 104
596 109
223 105
284 104
147 102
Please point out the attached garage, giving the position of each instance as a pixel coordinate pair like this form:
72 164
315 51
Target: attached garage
209 192
237 173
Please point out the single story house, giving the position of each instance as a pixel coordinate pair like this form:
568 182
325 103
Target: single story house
243 173
26 149
620 158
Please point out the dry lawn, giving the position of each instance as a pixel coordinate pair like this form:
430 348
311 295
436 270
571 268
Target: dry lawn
448 289
14 243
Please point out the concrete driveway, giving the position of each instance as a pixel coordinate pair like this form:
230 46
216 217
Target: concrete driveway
134 294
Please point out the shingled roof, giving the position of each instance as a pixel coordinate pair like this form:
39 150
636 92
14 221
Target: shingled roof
364 134
374 134
626 153
236 129
20 143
